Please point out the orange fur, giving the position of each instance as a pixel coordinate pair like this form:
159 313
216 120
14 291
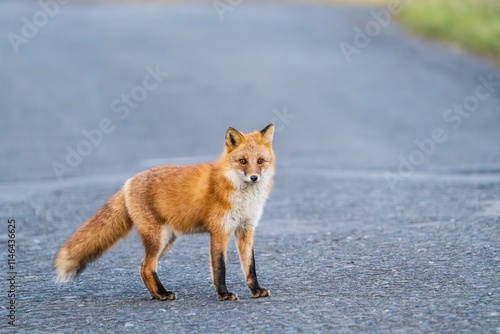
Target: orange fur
93 238
221 198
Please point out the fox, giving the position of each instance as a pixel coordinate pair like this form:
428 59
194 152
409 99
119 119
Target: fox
221 198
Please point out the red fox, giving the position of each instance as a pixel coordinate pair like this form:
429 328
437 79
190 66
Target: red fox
220 198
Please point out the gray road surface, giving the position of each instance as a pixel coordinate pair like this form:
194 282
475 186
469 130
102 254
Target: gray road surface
385 214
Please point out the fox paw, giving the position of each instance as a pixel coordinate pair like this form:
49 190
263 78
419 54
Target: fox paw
167 295
260 292
228 296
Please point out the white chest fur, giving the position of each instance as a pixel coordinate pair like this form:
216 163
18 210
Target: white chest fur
247 205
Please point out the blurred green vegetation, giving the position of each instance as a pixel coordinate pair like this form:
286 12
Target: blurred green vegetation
471 24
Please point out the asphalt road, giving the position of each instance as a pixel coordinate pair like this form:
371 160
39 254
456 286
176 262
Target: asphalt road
385 214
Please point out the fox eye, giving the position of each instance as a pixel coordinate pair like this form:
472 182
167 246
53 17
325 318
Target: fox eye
260 161
243 161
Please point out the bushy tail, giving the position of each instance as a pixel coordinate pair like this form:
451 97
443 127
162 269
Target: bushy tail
110 223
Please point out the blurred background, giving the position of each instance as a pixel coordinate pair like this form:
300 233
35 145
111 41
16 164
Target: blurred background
385 215
351 85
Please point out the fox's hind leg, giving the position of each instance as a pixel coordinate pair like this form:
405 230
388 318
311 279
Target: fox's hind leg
156 243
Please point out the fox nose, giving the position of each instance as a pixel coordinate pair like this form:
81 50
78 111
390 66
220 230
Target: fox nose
254 178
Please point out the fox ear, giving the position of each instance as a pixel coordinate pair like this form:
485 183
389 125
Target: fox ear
233 138
268 134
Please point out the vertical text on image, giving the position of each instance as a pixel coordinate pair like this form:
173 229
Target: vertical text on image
11 271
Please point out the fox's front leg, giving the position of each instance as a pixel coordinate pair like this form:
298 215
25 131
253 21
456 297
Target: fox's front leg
244 240
218 253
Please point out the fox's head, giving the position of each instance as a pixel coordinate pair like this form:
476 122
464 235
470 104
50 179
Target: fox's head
250 156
